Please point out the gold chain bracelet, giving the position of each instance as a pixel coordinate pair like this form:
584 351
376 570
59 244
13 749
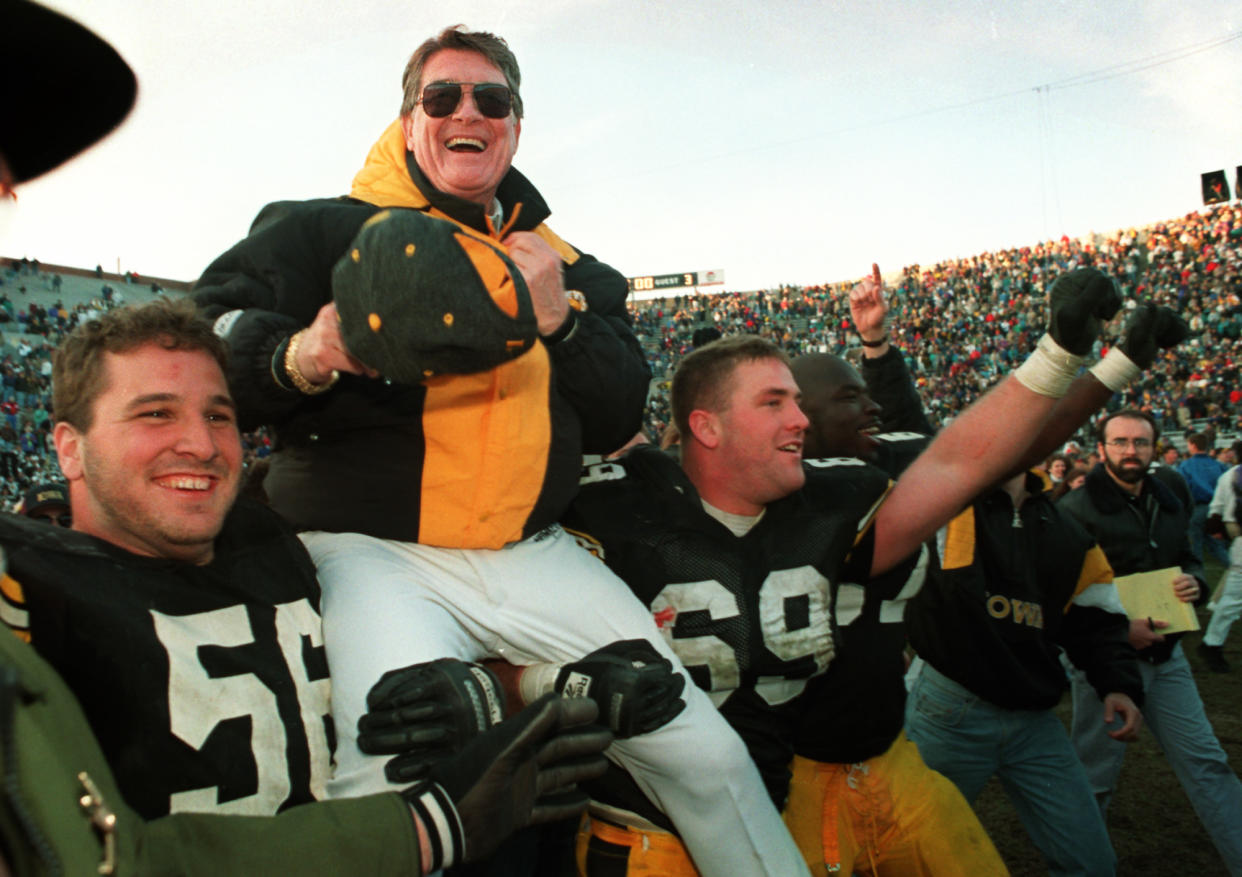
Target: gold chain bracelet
295 373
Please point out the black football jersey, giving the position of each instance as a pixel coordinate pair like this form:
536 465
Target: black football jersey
207 686
855 710
749 617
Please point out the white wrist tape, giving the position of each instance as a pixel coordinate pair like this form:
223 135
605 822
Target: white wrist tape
536 681
1116 370
1049 370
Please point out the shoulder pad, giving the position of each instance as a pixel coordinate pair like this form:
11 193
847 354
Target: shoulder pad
644 462
897 450
842 473
897 437
21 532
250 522
832 462
604 470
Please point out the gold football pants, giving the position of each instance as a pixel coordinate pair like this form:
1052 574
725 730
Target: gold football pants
887 816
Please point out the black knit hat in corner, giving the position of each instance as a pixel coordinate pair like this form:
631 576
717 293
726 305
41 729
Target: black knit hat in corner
61 86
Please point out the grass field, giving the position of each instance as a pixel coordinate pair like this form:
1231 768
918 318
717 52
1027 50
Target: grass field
1154 829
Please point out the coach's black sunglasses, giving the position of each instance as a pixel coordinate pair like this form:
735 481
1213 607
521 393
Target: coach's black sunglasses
492 99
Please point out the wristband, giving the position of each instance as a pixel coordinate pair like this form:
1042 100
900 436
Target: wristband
565 331
277 366
1115 370
434 809
537 680
1049 370
880 343
295 373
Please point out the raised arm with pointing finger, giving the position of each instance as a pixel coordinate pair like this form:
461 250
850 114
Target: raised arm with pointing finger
856 709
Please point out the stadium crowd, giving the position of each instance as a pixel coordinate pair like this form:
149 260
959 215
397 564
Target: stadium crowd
965 322
34 319
962 324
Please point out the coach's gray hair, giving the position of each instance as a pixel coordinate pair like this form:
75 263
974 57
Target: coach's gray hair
490 46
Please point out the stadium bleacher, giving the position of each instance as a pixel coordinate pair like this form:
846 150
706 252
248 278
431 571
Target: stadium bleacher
38 304
961 323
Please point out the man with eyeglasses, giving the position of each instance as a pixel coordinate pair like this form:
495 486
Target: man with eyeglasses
428 485
1141 525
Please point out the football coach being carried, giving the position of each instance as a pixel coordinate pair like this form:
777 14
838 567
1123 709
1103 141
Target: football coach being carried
435 361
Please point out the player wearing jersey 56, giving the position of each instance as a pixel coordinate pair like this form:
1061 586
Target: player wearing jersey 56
147 437
189 628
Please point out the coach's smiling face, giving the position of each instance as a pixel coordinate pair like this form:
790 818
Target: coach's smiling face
464 153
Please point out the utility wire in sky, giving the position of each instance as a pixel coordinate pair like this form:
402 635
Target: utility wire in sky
1143 63
1089 78
1047 152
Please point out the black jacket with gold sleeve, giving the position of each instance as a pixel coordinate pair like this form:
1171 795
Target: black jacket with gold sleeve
463 461
1013 586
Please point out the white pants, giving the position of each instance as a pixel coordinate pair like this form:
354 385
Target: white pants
1229 606
389 604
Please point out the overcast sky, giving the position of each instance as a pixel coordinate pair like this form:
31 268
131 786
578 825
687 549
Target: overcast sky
778 141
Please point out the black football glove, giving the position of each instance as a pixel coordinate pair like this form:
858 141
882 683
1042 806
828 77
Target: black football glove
1151 328
1078 303
425 713
517 774
635 688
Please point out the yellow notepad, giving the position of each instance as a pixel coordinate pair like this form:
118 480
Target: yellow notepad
1150 595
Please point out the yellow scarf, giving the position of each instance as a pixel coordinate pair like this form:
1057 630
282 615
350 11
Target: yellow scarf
385 182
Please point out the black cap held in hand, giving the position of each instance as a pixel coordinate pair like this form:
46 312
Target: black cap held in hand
420 297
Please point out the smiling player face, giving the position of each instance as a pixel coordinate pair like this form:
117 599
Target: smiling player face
844 418
160 465
761 434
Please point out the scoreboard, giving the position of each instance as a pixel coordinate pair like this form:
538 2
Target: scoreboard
663 281
653 282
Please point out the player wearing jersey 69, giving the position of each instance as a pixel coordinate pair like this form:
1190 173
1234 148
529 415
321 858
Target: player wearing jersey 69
737 549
